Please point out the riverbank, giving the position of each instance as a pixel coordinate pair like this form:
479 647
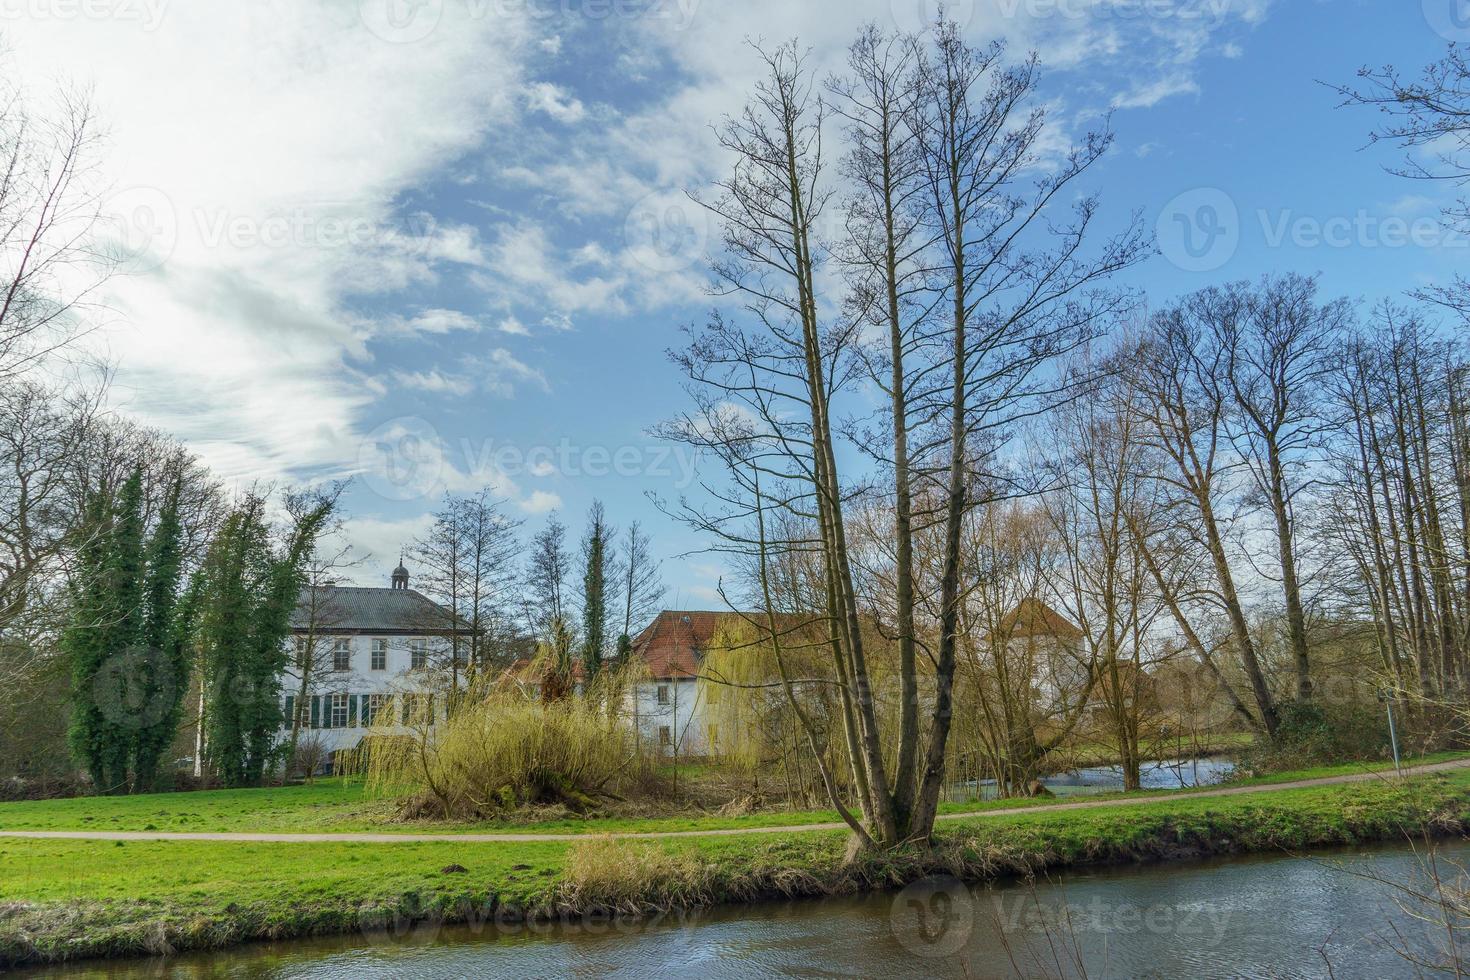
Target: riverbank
65 899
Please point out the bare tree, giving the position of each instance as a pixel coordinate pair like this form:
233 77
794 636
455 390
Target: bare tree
1016 290
1280 346
318 614
1429 117
642 588
49 261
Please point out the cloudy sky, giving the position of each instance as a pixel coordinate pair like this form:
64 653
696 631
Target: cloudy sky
443 244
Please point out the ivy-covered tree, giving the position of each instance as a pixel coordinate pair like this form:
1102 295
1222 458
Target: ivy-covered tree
103 637
248 589
163 664
86 642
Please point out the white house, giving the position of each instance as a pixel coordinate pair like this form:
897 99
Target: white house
669 707
370 650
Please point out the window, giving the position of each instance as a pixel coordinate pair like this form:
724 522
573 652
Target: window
339 711
380 655
663 694
342 655
665 735
418 654
300 648
371 705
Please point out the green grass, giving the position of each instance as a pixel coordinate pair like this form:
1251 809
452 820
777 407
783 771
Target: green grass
62 899
342 806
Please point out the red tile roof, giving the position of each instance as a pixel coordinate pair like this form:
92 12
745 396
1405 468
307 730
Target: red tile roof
674 643
1032 617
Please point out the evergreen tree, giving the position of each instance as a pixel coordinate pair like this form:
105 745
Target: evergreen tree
85 641
164 661
107 698
594 591
247 593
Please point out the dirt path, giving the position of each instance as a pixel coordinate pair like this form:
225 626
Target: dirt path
363 838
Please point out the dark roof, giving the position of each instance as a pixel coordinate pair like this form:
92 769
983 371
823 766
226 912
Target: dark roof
349 609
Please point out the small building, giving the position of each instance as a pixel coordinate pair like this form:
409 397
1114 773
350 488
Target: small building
367 650
667 706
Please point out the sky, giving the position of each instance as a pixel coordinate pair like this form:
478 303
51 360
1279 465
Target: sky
439 245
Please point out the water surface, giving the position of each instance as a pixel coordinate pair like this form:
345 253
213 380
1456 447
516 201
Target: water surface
1281 916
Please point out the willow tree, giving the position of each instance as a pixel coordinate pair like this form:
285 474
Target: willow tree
946 179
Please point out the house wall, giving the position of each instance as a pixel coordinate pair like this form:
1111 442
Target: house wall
684 716
360 680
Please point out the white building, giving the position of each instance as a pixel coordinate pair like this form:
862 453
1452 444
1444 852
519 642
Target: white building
669 706
369 650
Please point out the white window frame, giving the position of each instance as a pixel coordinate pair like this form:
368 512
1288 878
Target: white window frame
338 702
369 707
662 694
342 655
379 656
418 654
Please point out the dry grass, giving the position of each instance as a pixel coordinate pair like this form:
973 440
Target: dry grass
500 751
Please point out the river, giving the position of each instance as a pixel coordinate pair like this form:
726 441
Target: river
1277 916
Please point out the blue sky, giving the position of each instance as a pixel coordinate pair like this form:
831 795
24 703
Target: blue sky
444 244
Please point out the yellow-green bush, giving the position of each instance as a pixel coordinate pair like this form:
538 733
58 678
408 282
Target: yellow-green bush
500 749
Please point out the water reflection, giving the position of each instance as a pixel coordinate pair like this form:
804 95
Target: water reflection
1168 774
1256 917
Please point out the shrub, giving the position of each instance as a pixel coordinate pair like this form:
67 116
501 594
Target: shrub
499 750
1318 733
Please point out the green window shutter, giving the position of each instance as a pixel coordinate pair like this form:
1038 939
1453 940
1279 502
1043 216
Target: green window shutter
352 711
316 711
290 704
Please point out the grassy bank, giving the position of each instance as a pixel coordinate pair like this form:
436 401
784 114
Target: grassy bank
71 899
342 806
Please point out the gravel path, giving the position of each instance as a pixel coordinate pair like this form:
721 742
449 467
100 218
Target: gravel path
366 838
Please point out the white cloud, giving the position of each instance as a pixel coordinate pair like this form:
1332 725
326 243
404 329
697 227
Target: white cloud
433 321
555 101
271 147
501 370
513 327
541 502
433 381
